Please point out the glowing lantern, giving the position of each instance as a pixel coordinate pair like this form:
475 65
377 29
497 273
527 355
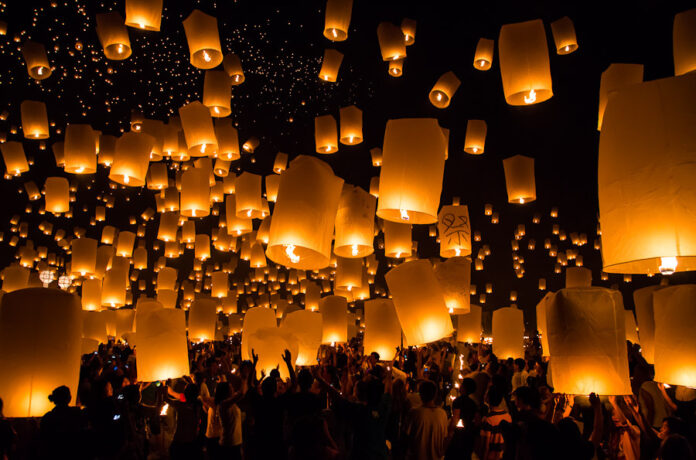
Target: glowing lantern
397 240
337 19
578 277
419 302
391 41
84 256
168 226
334 314
631 327
195 193
36 60
348 273
217 92
115 282
508 333
382 329
201 321
203 40
40 340
113 36
304 214
202 246
248 196
222 169
639 233
444 89
351 125
483 56
162 348
410 180
144 14
645 314
616 77
80 149
233 67
330 65
454 276
408 28
270 344
564 35
524 63
131 159
228 139
587 342
257 257
519 179
57 195
255 319
34 120
469 326
355 224
325 135
272 184
94 326
219 284
684 42
251 144
454 229
235 225
306 326
14 278
124 245
198 129
14 157
167 297
475 137
396 68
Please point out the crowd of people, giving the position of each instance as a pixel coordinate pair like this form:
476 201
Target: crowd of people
447 400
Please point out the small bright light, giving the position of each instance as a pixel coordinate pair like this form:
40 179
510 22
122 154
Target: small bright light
668 265
290 252
521 200
46 276
164 410
40 71
206 56
438 96
567 48
460 424
119 49
404 214
475 149
457 252
126 179
64 282
531 98
354 250
333 32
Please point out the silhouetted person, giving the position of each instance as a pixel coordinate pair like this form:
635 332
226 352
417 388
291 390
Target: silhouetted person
426 427
63 427
8 437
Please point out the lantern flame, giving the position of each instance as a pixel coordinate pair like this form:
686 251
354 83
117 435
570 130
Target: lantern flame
354 250
475 149
119 49
531 98
164 410
236 78
482 62
404 214
206 56
668 265
438 96
40 71
333 32
457 252
248 213
126 179
290 252
567 48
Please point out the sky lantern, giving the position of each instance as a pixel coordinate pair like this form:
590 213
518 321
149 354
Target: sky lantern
300 238
201 321
483 56
640 234
306 326
248 196
355 223
115 282
228 140
508 333
397 240
444 89
144 14
40 340
645 314
34 120
270 344
587 342
334 314
235 225
408 28
419 302
198 129
203 40
250 144
614 78
166 278
254 319
202 246
410 180
337 19
631 327
684 42
91 294
107 149
475 139
391 41
524 63
280 163
348 273
469 327
325 134
157 176
233 67
195 193
131 159
330 65
220 284
113 36
454 229
14 158
36 60
351 125
519 179
382 329
454 276
125 243
257 257
396 68
217 92
162 351
578 277
675 343
80 149
84 256
564 35
15 277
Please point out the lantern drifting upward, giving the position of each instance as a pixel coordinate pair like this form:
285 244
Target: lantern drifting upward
444 89
198 129
36 60
408 28
203 40
640 233
524 63
519 179
217 92
255 318
330 65
144 14
382 329
131 159
304 214
454 276
162 348
397 240
508 333
306 326
351 125
355 223
325 134
195 193
248 196
202 317
643 301
233 66
564 35
396 68
113 36
614 79
80 152
391 41
410 180
475 139
14 157
34 120
454 228
334 316
337 19
675 342
469 325
483 57
684 42
419 302
84 256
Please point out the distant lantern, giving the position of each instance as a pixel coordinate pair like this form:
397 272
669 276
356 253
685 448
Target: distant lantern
222 169
396 68
615 78
251 144
280 163
57 195
220 284
391 41
410 180
684 42
469 328
408 28
254 319
203 40
131 159
640 234
419 302
248 196
306 326
40 340
397 240
475 139
233 67
337 19
202 316
228 140
304 214
444 89
454 229
113 35
144 14
257 257
157 176
272 184
202 246
355 223
162 347
587 342
508 333
14 157
84 256
351 125
330 65
235 225
334 313
483 56
519 178
80 150
376 155
564 35
34 120
578 277
675 343
36 60
524 63
91 294
454 276
198 129
643 300
217 93
195 193
325 134
382 329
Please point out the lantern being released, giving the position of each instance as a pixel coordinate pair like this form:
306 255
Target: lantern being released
36 60
444 89
201 320
508 333
410 180
524 63
334 314
587 342
454 276
564 35
640 234
469 325
684 42
419 302
675 343
270 344
162 348
519 178
475 137
613 79
195 193
483 57
34 120
40 341
203 40
454 228
355 223
337 19
330 65
325 134
306 326
113 36
382 329
255 319
144 14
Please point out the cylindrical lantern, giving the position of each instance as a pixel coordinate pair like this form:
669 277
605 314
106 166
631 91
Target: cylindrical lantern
396 68
519 179
419 302
124 245
34 120
14 158
391 41
272 184
80 153
91 294
248 196
195 193
564 35
684 42
330 65
57 195
219 284
587 342
454 229
233 67
203 40
113 36
348 273
410 180
304 214
115 283
616 77
162 348
444 89
228 140
14 278
201 320
337 19
397 240
382 329
325 134
475 139
469 326
131 159
217 92
202 246
36 60
355 223
508 333
306 326
351 125
144 14
198 129
84 256
254 319
408 28
645 314
675 342
270 344
454 276
235 225
640 234
334 315
483 57
524 63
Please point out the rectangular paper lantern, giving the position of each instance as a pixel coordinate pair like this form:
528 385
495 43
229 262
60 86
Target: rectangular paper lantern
469 325
675 341
508 333
382 329
162 351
